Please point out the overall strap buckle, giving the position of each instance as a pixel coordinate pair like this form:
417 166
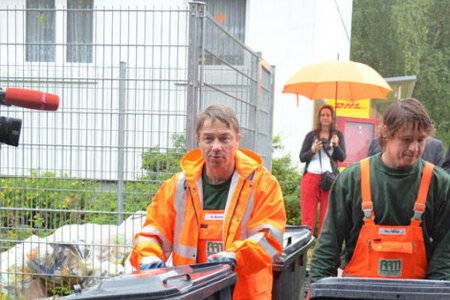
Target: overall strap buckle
420 204
366 197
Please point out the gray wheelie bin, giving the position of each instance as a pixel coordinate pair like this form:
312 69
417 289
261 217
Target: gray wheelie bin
201 281
375 288
289 268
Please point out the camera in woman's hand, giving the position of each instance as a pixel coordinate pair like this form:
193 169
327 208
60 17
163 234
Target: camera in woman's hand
325 143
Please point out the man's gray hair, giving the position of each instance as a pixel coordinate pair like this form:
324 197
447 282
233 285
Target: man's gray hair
222 113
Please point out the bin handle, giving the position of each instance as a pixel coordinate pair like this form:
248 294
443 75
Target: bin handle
184 275
289 240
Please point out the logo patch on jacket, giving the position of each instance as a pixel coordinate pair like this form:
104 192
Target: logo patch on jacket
390 267
213 247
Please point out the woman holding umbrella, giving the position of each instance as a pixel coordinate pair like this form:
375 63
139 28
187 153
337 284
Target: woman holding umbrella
321 149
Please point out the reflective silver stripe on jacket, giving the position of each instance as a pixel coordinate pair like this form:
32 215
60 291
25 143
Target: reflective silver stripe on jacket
260 238
150 230
233 184
200 190
142 239
273 231
180 208
185 251
246 217
248 208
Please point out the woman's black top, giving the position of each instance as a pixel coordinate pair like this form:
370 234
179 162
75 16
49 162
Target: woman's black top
306 154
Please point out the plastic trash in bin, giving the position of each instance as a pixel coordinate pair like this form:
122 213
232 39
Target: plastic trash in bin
379 288
289 269
201 281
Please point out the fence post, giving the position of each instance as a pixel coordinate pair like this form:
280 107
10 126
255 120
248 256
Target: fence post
272 91
121 143
256 97
196 15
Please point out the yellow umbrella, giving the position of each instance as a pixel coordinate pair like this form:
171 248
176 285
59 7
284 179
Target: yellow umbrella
346 80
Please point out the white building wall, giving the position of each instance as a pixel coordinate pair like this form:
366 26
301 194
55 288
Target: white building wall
93 88
291 34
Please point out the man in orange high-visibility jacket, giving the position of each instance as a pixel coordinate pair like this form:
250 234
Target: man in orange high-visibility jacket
223 206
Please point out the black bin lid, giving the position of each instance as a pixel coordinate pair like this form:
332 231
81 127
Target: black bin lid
379 288
194 282
297 239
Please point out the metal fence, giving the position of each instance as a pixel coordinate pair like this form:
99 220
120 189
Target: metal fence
131 82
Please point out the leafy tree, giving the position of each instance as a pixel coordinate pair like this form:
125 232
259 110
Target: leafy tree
408 37
289 179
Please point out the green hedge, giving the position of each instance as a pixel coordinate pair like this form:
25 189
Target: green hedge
40 203
42 200
289 179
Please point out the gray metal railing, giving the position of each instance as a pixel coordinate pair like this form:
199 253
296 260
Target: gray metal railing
81 178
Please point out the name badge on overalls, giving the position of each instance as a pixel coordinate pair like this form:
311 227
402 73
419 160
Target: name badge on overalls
391 267
214 246
213 217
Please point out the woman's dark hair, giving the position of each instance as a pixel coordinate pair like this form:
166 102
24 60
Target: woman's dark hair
318 126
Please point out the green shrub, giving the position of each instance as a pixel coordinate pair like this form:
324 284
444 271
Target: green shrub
40 203
160 165
292 206
289 179
137 196
42 200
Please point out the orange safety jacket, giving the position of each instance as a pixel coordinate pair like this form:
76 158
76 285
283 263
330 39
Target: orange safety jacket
253 223
384 251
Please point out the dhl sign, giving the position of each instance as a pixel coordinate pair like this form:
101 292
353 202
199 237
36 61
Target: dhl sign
356 109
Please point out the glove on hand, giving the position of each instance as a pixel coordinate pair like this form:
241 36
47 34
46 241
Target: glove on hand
226 257
151 262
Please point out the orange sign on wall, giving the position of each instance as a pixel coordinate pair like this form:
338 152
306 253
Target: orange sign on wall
355 109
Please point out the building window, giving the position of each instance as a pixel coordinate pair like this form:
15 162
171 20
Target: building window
80 19
40 35
230 14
